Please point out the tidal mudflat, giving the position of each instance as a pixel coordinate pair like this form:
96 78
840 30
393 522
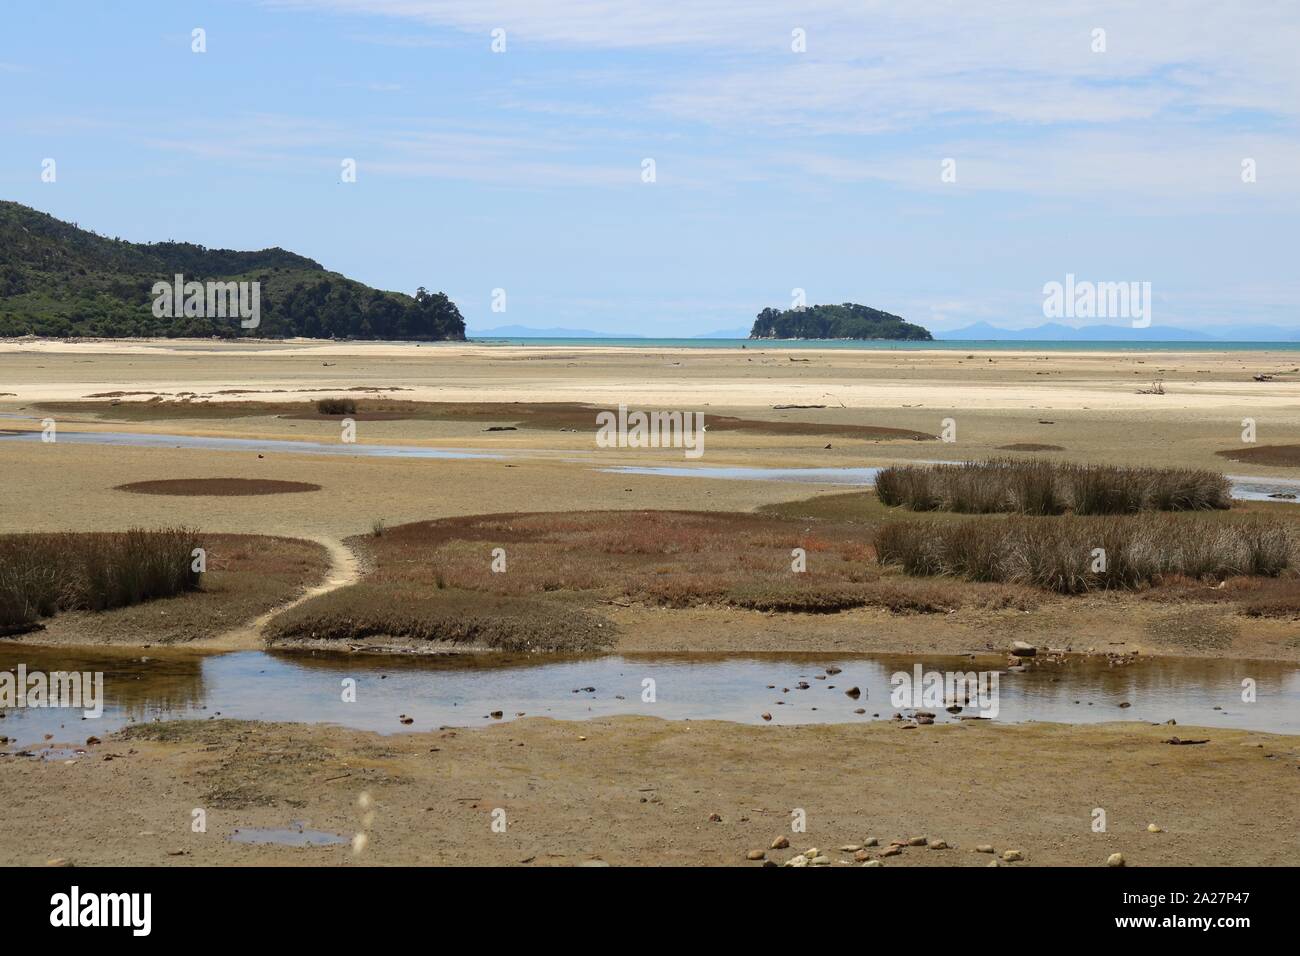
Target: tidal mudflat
696 641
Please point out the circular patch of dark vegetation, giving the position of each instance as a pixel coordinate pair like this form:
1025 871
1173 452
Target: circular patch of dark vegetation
1030 446
1280 455
217 487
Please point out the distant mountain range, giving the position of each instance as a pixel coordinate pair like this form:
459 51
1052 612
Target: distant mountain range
1056 332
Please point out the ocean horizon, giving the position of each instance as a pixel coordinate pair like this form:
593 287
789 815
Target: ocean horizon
951 345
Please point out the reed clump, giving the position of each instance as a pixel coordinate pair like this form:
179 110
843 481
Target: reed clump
1072 554
336 406
1009 485
42 574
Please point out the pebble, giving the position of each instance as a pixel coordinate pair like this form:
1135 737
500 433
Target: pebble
715 818
1115 859
861 856
1154 828
851 848
1012 856
820 861
755 855
917 841
937 845
870 841
853 692
892 851
780 843
984 848
873 863
812 853
1022 649
766 715
799 860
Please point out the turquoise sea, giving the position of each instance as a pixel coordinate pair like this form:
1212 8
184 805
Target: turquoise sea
950 345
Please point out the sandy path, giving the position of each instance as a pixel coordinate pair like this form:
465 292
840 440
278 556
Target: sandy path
344 570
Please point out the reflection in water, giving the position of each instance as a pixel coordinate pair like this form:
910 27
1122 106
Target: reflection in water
136 688
467 690
293 835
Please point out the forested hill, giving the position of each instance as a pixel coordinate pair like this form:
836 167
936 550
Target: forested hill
60 280
847 321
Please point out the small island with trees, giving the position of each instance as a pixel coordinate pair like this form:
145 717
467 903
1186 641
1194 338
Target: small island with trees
847 321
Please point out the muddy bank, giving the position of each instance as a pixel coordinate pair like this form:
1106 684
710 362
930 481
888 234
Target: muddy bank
643 791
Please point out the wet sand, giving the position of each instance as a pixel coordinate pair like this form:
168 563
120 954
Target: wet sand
641 791
997 398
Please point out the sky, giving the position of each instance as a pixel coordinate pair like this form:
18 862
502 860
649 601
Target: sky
939 160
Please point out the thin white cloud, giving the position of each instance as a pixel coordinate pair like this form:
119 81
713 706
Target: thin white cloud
926 51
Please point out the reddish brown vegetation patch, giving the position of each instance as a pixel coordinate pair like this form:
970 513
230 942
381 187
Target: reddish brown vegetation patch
434 580
220 487
552 416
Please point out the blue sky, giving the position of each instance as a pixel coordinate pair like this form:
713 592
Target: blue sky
775 169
